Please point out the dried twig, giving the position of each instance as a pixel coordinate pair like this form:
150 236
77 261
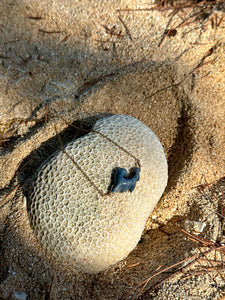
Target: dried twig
203 10
186 4
209 261
35 18
194 258
49 32
180 271
126 28
203 242
64 39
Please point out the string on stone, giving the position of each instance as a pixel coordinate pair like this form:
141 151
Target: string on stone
121 180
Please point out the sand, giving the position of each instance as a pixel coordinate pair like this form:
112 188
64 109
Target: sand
72 60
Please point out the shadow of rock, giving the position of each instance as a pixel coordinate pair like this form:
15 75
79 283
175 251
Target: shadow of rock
180 154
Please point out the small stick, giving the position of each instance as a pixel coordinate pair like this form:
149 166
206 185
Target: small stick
126 28
35 18
195 257
65 39
49 293
133 265
189 4
220 21
214 267
50 32
107 41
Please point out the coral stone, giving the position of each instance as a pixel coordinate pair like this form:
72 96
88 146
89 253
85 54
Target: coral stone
72 213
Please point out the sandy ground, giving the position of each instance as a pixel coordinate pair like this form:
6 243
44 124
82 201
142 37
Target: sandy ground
68 60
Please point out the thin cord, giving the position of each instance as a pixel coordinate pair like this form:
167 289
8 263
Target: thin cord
77 165
91 130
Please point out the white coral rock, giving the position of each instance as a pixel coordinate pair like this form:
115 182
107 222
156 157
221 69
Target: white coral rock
72 221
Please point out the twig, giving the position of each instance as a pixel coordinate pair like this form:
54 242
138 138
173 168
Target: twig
64 39
205 242
133 265
212 247
49 293
126 28
188 4
112 31
91 83
35 18
203 186
108 41
49 32
194 258
214 267
203 272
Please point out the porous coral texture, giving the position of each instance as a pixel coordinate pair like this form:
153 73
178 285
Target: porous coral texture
72 215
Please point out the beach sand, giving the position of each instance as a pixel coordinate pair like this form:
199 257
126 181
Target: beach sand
66 61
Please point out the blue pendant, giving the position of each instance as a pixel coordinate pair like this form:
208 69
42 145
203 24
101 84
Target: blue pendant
125 182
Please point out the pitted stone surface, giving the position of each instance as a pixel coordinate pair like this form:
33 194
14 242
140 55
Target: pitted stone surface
72 221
